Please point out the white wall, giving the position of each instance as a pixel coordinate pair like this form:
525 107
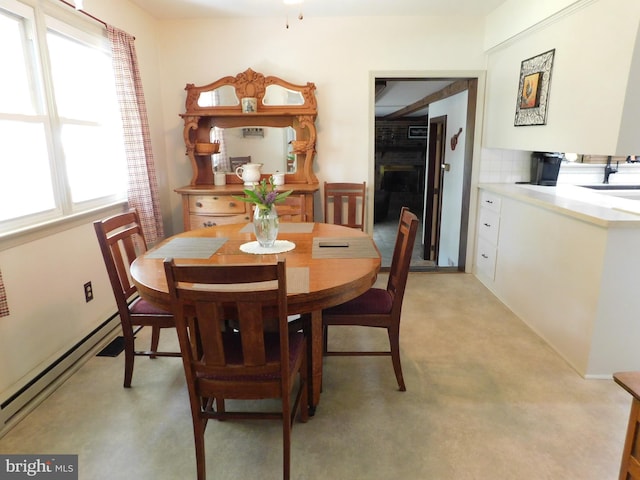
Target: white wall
514 17
337 54
455 109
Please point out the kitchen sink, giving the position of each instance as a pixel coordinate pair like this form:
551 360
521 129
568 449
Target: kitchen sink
606 186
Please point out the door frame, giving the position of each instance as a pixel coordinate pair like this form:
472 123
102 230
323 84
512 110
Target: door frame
475 108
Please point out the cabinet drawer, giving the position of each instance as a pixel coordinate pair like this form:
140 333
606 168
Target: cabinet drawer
486 259
201 221
490 200
489 225
208 204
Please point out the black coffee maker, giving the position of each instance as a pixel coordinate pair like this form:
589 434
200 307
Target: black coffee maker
545 167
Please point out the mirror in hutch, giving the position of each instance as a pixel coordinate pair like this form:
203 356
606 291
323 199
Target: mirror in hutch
249 117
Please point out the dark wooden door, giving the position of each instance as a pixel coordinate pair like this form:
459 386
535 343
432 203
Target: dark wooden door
433 204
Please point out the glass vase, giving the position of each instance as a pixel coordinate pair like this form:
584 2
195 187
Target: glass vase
265 226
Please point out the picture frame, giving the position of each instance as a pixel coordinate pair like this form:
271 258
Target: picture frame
249 105
533 90
418 131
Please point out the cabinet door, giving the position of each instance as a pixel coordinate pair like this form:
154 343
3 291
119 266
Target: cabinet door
486 258
490 201
489 225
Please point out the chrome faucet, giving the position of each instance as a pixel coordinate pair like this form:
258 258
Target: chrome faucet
608 169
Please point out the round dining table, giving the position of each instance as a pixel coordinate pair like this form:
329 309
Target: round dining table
326 265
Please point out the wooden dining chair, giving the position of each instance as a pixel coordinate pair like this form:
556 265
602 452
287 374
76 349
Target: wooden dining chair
121 240
258 359
378 307
292 209
344 204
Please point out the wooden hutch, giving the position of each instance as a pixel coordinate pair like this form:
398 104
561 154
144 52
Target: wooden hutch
278 104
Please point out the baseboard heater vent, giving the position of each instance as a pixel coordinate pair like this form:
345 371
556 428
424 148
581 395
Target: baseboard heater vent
37 385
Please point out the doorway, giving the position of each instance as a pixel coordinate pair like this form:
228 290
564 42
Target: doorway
442 197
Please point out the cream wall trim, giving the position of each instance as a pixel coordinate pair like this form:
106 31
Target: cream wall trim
514 19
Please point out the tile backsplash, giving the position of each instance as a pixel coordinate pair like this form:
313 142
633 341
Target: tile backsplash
510 166
504 166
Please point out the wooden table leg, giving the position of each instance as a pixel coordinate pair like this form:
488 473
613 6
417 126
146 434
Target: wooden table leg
315 367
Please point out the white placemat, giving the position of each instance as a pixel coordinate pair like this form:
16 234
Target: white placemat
279 246
285 227
188 248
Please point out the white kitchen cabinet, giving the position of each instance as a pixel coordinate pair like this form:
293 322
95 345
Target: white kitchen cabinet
613 43
488 228
568 270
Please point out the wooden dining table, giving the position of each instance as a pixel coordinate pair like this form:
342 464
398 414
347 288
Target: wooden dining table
326 265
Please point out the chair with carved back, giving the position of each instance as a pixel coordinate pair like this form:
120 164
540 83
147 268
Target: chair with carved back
121 239
257 359
292 209
344 204
378 307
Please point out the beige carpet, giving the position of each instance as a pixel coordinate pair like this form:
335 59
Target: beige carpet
486 399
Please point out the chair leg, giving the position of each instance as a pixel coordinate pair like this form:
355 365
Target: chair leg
325 342
129 355
394 343
198 437
304 398
155 340
220 406
286 438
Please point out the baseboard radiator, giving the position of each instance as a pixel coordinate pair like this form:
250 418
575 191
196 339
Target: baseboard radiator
18 404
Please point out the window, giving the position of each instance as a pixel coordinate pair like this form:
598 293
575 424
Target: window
61 143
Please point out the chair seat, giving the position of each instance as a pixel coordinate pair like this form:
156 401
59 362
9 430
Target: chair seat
142 307
233 351
373 301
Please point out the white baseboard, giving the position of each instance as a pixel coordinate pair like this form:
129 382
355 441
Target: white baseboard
20 403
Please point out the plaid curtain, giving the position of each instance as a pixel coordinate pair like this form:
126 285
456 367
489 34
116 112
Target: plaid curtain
221 160
4 306
143 185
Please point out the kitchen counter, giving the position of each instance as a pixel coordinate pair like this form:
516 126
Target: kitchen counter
594 206
566 262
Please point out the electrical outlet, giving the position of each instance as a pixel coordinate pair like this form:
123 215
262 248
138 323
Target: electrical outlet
88 292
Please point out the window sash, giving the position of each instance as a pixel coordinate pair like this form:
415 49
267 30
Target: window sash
58 156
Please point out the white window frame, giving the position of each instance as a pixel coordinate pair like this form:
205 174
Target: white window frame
40 16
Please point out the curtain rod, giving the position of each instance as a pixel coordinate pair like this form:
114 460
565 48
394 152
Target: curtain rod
85 13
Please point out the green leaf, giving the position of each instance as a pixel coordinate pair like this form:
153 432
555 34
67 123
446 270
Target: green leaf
282 196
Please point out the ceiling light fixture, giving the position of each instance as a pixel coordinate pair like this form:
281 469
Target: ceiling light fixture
293 2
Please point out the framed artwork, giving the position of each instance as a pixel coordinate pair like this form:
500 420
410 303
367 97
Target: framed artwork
418 131
533 90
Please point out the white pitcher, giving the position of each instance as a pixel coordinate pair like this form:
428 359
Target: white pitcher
249 173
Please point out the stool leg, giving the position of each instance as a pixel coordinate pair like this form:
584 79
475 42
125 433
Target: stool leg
630 467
